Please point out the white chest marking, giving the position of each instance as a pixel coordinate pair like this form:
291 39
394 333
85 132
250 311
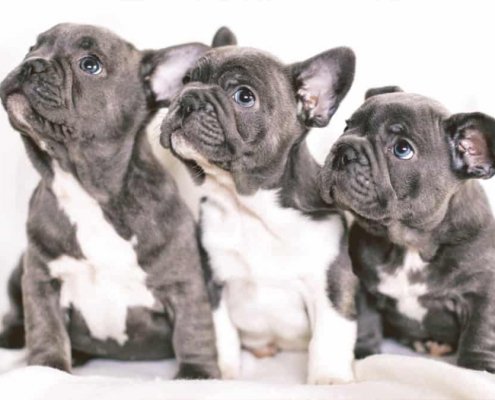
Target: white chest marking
399 287
108 279
266 254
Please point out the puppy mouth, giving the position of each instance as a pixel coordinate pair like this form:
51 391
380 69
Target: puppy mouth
29 122
356 193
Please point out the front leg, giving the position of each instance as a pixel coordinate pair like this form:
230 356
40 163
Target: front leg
331 349
477 341
228 342
193 335
47 339
370 328
332 313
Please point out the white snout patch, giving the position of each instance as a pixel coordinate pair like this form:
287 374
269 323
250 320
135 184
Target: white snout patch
108 279
399 287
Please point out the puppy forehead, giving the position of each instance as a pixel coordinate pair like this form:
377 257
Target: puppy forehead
416 109
86 37
248 61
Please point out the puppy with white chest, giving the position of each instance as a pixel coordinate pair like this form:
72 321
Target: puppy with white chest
112 268
281 275
423 243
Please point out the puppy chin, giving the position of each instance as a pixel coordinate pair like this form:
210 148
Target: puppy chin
19 111
184 149
22 117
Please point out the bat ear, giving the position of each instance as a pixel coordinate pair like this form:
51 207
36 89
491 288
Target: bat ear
163 70
321 83
471 137
381 90
224 37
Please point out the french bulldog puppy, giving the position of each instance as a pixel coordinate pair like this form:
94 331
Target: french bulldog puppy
112 267
423 243
281 276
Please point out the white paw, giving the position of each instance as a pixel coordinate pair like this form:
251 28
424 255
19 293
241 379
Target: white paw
230 369
325 375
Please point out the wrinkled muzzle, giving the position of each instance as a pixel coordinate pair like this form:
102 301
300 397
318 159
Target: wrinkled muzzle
32 94
355 180
200 118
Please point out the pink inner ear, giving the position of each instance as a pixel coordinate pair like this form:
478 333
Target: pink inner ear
474 144
474 150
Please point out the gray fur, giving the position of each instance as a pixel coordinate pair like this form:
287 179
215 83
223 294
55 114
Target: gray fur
428 203
94 127
265 147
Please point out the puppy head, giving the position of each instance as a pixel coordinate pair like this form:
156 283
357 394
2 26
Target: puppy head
83 87
402 156
241 111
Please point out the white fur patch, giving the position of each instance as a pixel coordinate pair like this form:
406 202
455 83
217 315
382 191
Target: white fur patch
108 279
399 287
227 342
268 258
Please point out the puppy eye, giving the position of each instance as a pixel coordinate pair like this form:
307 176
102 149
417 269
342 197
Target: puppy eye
403 150
244 97
91 65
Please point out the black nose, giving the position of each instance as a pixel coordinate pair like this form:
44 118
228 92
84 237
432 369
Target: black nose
192 102
33 66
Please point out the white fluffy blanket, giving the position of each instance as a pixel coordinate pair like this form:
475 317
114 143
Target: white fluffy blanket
387 376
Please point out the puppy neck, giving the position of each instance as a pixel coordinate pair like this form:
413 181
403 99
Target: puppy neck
103 174
463 218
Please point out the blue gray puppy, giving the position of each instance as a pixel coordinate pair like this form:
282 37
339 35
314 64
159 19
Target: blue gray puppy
424 239
112 267
281 275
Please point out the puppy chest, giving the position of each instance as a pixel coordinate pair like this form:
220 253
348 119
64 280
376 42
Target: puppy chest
108 279
406 284
253 237
102 296
265 255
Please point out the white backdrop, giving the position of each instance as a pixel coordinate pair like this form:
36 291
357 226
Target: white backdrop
440 49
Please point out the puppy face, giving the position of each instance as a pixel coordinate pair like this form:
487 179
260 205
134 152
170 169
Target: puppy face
239 111
72 75
402 157
84 87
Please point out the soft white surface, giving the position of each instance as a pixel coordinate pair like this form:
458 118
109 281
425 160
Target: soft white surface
379 377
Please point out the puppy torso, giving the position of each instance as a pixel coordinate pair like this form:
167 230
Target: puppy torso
265 253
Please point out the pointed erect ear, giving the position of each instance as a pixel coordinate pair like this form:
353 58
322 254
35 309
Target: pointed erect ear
163 70
471 138
381 90
322 82
224 37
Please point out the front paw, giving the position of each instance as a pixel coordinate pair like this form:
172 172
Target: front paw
329 374
197 371
52 361
230 370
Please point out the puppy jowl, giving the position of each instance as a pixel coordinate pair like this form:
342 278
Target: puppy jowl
278 253
423 242
112 267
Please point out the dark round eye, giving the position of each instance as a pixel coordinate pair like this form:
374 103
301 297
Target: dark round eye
403 150
244 97
91 65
